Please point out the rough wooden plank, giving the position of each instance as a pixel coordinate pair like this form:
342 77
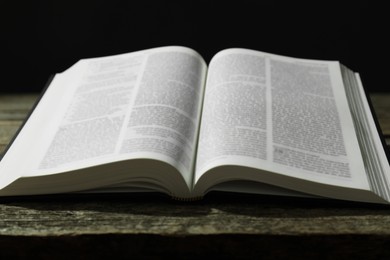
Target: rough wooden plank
222 225
13 110
8 130
16 107
216 214
17 101
381 104
13 115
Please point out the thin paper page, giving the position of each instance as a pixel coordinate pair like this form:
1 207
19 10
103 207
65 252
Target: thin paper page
166 112
138 105
283 115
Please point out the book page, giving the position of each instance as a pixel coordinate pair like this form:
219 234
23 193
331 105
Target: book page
278 114
165 115
139 105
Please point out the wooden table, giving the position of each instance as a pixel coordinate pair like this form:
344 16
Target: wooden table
223 225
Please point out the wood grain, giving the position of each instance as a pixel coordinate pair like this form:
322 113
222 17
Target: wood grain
222 225
157 214
16 107
381 104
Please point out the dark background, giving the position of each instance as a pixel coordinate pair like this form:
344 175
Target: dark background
39 38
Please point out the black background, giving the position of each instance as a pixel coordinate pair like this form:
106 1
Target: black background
39 38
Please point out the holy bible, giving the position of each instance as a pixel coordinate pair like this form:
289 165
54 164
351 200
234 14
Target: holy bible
162 120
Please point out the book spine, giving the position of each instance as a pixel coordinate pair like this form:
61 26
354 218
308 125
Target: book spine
189 199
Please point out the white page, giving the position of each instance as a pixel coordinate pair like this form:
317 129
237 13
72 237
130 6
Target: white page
166 112
86 116
245 123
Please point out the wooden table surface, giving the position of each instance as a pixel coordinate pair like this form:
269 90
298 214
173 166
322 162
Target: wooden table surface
223 224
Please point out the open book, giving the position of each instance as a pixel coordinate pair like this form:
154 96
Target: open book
162 120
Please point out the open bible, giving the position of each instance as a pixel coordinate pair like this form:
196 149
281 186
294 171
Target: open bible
163 120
